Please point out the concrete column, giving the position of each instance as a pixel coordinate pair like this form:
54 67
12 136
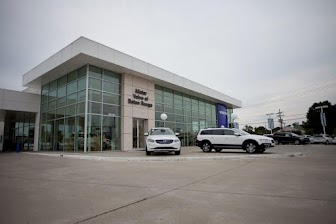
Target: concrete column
130 84
37 131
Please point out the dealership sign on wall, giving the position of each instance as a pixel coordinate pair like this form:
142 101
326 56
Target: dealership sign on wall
140 98
222 116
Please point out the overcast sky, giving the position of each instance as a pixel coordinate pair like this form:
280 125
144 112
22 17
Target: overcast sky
269 54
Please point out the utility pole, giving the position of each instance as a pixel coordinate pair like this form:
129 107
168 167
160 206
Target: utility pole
323 120
279 114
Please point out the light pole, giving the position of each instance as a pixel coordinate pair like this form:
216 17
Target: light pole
164 118
323 120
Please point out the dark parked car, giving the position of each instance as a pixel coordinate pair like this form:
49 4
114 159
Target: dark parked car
289 138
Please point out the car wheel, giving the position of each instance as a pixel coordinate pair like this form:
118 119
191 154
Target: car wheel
276 142
104 145
218 150
206 147
296 142
250 147
147 152
327 142
177 152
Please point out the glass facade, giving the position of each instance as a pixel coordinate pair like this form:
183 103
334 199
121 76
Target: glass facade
186 114
64 111
24 127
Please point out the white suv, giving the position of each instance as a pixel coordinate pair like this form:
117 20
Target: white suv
221 138
162 140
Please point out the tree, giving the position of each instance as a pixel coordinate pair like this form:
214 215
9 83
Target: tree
295 124
249 129
260 130
313 124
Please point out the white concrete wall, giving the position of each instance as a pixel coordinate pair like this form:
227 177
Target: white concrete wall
129 84
19 101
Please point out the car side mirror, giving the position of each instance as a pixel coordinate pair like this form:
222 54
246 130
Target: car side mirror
146 134
177 134
236 134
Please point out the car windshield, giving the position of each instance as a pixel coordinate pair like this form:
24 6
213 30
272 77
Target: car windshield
241 131
162 132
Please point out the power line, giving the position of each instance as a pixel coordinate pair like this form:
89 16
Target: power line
307 92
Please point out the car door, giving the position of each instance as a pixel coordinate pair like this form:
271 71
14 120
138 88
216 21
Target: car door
318 138
231 140
288 138
217 138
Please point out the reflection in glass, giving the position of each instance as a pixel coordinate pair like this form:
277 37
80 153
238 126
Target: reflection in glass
69 134
59 135
94 133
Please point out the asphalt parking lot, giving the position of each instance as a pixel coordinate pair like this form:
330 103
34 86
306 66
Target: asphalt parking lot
288 184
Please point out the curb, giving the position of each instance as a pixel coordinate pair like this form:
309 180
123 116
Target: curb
177 158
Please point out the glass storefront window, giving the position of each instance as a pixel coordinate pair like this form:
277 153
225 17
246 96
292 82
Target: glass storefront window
73 76
72 88
111 98
186 114
111 87
81 84
53 85
177 103
69 134
61 92
63 111
70 110
79 135
95 96
81 96
111 109
45 89
111 133
95 84
52 105
111 76
167 100
44 107
61 102
71 99
52 95
62 81
95 72
94 133
81 108
60 113
82 72
95 108
44 99
51 115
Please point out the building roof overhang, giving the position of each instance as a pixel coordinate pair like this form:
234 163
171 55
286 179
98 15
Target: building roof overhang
84 51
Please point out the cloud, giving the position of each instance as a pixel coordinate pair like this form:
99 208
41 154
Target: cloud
253 51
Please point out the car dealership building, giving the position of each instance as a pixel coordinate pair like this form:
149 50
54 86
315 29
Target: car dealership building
89 97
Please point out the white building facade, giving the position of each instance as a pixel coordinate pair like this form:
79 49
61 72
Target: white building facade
94 98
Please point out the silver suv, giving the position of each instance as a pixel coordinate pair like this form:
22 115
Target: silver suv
231 138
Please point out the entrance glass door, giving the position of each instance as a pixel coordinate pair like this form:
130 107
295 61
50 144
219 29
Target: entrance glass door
138 133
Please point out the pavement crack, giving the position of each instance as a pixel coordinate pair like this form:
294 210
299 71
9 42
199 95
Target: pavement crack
157 195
